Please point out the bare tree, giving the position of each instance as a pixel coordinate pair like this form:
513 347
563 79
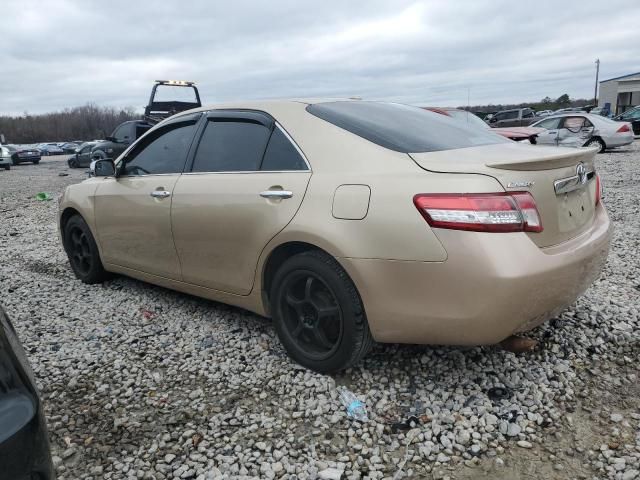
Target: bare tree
87 122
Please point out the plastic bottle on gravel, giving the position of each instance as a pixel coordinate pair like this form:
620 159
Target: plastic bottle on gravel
355 408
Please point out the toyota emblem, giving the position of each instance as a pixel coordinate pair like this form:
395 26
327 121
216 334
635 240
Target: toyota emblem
582 173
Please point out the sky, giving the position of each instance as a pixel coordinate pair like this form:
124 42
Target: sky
57 54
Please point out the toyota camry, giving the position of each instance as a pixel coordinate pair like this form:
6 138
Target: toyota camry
346 222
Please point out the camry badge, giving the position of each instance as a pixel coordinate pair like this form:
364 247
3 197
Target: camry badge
520 184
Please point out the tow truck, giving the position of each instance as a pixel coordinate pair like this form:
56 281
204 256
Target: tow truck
167 98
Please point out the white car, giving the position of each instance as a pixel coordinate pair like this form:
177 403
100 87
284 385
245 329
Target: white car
583 130
544 113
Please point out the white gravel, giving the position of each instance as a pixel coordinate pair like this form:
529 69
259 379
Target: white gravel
142 382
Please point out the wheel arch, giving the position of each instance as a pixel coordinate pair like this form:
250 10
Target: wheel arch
276 258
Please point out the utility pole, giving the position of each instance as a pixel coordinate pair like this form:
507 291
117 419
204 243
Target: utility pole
595 92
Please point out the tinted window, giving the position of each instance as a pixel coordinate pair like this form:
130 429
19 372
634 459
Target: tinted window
231 146
120 132
162 151
527 114
281 154
402 128
509 115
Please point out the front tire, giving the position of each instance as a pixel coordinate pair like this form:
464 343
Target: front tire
318 313
82 251
596 142
36 162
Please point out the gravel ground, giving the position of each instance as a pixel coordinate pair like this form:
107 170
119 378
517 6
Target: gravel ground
142 382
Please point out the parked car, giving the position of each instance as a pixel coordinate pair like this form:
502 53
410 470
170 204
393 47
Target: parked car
583 130
514 133
20 154
119 140
24 442
344 221
82 157
602 111
632 116
69 147
568 110
518 117
49 149
5 157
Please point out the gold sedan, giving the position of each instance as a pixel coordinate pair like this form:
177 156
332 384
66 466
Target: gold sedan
346 222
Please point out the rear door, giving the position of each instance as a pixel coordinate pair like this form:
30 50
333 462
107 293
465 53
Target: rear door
574 131
508 119
246 182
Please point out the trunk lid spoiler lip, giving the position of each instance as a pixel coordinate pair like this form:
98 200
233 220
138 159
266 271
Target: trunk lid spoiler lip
503 157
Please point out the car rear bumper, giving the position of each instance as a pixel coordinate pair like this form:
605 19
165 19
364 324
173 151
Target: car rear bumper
491 286
27 158
619 140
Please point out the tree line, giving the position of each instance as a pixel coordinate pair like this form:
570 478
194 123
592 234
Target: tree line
88 122
547 103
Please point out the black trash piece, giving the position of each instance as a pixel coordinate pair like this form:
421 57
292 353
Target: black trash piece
499 393
406 424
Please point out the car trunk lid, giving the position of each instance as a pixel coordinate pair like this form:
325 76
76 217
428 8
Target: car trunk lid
561 180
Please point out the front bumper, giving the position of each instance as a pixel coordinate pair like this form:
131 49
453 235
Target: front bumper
491 286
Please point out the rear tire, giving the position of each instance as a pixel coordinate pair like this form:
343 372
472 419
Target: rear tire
592 142
36 162
82 251
318 313
7 167
15 162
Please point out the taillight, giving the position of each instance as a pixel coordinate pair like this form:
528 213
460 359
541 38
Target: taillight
480 212
598 189
624 128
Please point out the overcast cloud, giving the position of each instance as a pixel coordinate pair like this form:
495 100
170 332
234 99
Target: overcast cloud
64 53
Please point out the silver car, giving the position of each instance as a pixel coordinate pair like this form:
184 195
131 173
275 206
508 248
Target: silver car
583 130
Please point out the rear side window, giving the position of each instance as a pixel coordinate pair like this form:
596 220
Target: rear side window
549 123
281 155
231 146
403 128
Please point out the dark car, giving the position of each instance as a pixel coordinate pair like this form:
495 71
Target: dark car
23 154
24 443
632 116
50 149
517 117
82 157
120 139
70 147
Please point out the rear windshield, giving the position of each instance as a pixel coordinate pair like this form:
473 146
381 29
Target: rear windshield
403 128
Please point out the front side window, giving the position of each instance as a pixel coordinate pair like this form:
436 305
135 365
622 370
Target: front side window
121 132
549 123
231 146
527 114
162 151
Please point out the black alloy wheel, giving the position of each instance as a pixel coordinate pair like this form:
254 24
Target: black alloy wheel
318 313
311 314
82 251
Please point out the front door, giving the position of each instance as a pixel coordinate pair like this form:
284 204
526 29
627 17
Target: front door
246 183
550 134
133 211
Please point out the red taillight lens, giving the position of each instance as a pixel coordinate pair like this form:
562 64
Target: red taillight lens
598 189
480 212
624 128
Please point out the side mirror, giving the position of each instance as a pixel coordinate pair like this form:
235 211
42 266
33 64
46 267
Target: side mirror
111 139
103 168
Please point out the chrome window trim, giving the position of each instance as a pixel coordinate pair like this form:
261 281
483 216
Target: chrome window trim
150 175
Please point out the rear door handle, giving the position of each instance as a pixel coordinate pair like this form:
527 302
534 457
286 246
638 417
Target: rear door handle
160 194
276 194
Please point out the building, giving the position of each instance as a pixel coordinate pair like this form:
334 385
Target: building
620 93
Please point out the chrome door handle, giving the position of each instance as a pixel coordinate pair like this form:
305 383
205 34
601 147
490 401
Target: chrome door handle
160 194
276 194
